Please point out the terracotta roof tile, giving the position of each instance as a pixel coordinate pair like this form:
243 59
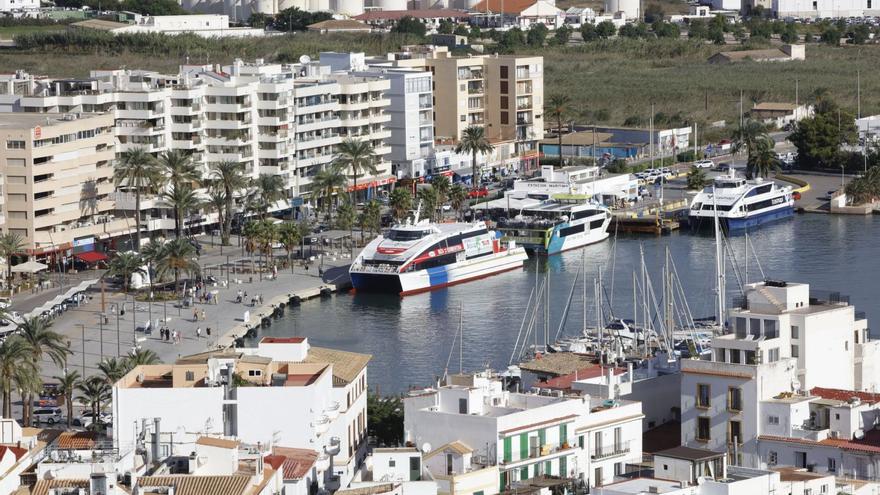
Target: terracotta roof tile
185 484
297 462
18 452
218 442
392 15
43 486
346 365
288 340
845 395
564 382
509 6
76 440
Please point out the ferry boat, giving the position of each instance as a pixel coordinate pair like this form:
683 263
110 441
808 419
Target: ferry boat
741 203
422 256
556 226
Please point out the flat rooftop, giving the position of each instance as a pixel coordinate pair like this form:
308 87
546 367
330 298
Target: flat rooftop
23 120
644 485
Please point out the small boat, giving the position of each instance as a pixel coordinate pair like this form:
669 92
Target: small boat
557 225
741 204
420 256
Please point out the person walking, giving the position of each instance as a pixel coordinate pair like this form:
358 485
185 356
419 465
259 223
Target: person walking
195 315
199 332
204 317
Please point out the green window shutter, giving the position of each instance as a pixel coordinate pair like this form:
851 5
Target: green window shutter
581 441
563 467
542 437
548 469
502 483
524 473
508 449
563 434
524 446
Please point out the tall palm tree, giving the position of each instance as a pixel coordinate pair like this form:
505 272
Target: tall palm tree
267 234
16 359
124 265
179 256
183 200
358 157
92 392
67 385
141 357
762 160
326 183
748 135
231 178
217 201
457 198
137 169
441 185
178 168
289 237
268 189
400 202
558 108
473 140
10 245
113 369
42 342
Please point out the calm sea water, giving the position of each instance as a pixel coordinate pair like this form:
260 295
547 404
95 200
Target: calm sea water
411 338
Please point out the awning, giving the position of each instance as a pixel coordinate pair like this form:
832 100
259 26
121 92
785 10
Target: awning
90 256
378 181
29 267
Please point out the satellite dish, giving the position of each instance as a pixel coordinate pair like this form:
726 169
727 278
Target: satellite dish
426 448
304 59
859 434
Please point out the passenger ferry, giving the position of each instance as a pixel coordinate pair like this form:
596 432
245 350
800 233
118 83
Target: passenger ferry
422 256
557 225
741 203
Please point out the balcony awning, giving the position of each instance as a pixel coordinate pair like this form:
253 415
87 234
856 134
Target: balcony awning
91 256
364 183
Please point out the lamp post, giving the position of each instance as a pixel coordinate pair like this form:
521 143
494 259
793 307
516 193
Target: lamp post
118 339
82 329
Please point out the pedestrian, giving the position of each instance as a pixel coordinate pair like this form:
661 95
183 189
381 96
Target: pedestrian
208 331
199 332
203 315
167 335
195 315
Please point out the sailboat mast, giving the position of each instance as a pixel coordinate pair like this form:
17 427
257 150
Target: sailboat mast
719 264
460 340
584 268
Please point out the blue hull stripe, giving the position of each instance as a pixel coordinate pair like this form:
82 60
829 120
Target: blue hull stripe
735 224
438 275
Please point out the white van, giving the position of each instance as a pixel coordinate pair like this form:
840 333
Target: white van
50 415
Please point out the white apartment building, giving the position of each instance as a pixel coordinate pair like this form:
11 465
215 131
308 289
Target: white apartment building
501 438
297 396
782 340
19 5
818 9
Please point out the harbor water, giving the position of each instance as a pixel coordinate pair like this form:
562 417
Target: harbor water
411 339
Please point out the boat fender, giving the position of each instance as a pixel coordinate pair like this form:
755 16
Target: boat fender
326 292
295 300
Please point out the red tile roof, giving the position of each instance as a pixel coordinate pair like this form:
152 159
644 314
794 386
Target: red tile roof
510 6
845 395
297 462
282 340
18 452
564 382
869 444
393 15
79 440
276 461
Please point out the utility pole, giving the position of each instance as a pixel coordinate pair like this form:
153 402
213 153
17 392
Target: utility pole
82 329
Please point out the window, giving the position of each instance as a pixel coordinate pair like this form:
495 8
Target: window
773 355
504 87
190 376
504 118
703 429
755 327
846 346
618 468
504 68
740 327
773 420
735 356
703 395
392 463
837 416
770 331
795 352
772 458
795 332
462 406
832 465
734 432
15 162
14 145
734 399
255 372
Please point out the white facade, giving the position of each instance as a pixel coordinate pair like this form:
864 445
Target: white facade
824 8
302 402
783 340
19 5
206 26
526 435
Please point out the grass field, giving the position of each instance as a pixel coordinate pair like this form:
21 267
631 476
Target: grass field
611 82
7 32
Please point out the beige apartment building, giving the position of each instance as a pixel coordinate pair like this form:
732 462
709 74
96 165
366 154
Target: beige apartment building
57 182
502 93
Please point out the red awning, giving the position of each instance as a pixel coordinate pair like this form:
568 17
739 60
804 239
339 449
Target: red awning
91 256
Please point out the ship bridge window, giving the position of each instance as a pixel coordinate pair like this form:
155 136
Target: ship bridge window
720 207
760 190
728 184
406 235
584 214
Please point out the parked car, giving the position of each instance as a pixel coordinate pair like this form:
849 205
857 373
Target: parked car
5 303
478 193
86 419
704 164
50 415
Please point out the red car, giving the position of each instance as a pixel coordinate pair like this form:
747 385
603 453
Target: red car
478 193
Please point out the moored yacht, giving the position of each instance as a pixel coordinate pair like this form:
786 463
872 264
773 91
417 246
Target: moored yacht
741 203
557 225
422 256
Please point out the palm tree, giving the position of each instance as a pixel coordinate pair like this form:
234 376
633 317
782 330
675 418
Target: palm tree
345 215
183 200
92 392
16 360
113 369
178 169
269 189
42 341
217 201
371 217
359 158
179 256
401 202
141 357
558 108
67 385
457 198
441 185
473 140
125 265
267 234
251 234
230 177
427 197
696 179
288 236
748 135
326 183
137 169
10 245
762 160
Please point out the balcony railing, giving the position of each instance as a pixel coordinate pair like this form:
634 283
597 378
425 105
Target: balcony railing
604 452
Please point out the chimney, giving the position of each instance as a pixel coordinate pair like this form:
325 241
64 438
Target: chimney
156 433
610 384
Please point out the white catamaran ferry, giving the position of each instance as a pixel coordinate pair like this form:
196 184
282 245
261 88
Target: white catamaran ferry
556 226
741 203
422 256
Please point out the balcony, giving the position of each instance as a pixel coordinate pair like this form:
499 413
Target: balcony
321 424
605 452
